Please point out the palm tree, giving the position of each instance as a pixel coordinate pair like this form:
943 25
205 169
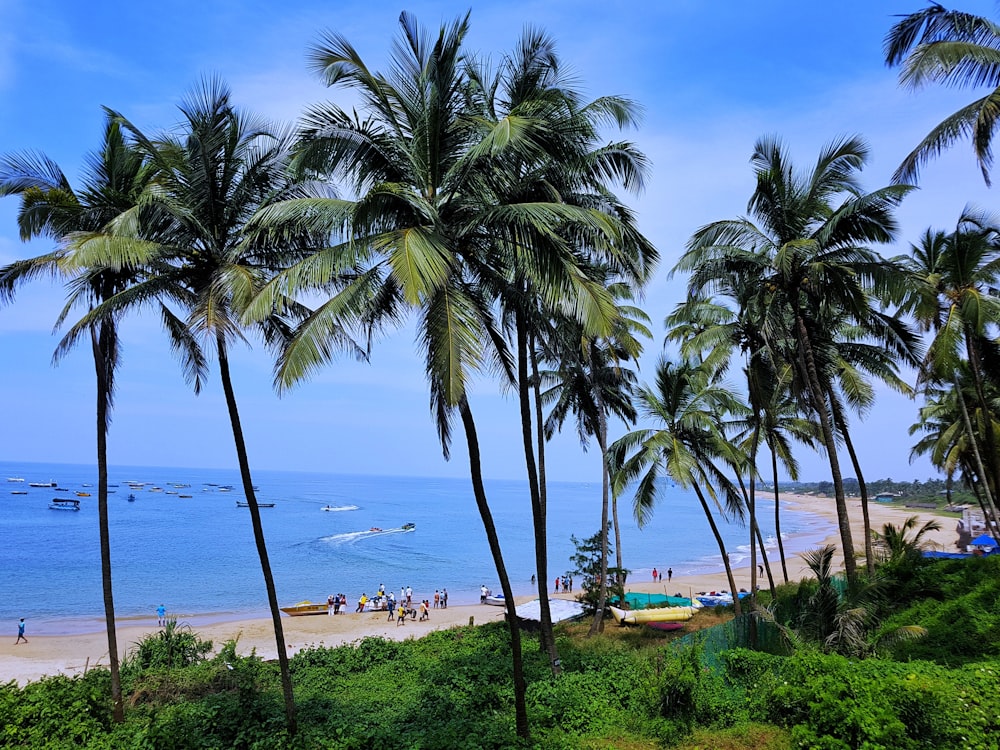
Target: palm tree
592 382
212 175
956 49
563 164
689 445
951 292
112 185
807 254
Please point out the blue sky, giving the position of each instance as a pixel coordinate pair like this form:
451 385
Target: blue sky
712 77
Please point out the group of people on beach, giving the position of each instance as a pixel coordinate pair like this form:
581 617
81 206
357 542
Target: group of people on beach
566 582
658 575
387 602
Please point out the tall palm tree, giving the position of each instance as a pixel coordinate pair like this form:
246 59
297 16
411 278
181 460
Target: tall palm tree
212 174
565 164
959 50
951 293
592 381
113 183
807 248
689 445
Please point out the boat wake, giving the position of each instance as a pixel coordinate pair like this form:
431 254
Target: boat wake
353 536
335 508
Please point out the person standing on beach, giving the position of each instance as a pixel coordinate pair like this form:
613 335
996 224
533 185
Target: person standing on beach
161 616
20 633
409 596
670 574
444 598
437 598
655 574
557 584
330 606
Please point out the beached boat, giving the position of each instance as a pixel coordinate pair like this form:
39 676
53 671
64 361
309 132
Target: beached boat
717 598
242 504
657 614
305 608
62 503
496 600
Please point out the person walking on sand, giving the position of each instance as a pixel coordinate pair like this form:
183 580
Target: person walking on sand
20 633
161 616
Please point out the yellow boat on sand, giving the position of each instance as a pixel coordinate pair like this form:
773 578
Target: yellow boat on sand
305 608
658 614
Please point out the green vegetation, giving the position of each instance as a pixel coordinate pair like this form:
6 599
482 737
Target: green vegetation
629 688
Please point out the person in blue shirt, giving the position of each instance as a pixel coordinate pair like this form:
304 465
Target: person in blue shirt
20 633
161 616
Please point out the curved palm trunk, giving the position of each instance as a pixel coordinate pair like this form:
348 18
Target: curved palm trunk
258 536
807 363
977 456
537 509
102 348
475 470
869 549
972 352
777 515
722 549
602 597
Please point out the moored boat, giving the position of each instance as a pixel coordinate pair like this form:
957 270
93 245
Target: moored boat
15 479
83 494
242 504
62 503
657 614
305 608
42 484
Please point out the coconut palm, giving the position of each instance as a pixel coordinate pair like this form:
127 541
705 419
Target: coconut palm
592 382
212 174
688 445
807 250
565 164
952 281
114 180
959 50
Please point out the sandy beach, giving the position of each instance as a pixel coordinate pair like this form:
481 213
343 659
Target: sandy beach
74 653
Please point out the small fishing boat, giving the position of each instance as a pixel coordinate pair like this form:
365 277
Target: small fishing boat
657 614
42 484
241 504
83 494
15 479
496 600
19 492
62 503
305 608
131 497
187 496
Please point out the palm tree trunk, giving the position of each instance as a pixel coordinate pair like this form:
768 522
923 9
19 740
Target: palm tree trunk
602 596
993 457
620 576
537 511
475 470
722 550
841 423
818 395
258 536
754 532
103 363
977 456
766 563
777 515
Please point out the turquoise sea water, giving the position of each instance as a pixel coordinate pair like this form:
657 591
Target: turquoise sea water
196 555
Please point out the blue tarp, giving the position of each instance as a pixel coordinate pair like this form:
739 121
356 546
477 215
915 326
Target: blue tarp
984 540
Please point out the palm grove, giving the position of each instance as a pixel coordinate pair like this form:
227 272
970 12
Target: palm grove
484 200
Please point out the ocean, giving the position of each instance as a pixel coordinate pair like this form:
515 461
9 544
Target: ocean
196 554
